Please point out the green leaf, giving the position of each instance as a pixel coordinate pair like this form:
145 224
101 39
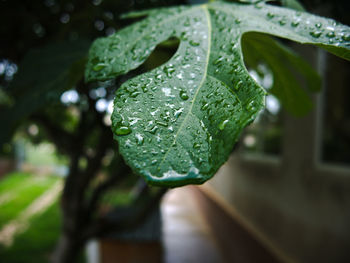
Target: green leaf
290 71
42 77
293 4
177 124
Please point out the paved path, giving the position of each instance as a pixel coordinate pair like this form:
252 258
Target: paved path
187 237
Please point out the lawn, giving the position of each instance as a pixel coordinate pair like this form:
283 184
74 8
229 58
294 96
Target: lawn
20 190
36 244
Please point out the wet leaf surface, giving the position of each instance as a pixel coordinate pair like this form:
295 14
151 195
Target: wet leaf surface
178 123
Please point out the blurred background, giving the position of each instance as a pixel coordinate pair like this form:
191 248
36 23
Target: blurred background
284 194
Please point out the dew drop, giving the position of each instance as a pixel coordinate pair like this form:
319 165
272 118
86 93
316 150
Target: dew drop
315 34
139 139
270 15
282 22
238 85
122 130
330 34
222 125
318 25
183 95
217 61
205 106
238 21
295 23
99 67
196 145
346 37
178 112
134 94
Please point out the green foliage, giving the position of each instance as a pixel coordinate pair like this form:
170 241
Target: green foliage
290 71
43 75
178 123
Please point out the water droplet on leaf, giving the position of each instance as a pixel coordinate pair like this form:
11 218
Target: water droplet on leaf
346 37
99 66
122 130
222 125
183 95
315 34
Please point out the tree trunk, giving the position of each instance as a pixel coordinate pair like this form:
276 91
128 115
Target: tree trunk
67 250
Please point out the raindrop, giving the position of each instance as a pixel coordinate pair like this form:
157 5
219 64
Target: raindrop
183 95
295 23
238 85
139 139
217 61
250 106
122 130
330 34
154 162
315 34
238 21
270 15
99 66
346 37
205 106
161 123
318 25
178 112
196 145
222 125
169 70
134 94
282 22
153 129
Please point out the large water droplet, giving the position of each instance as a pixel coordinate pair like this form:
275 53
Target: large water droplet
122 130
162 123
183 95
315 34
178 112
99 66
330 34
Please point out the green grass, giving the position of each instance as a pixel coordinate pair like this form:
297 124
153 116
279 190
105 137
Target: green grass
37 243
24 188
